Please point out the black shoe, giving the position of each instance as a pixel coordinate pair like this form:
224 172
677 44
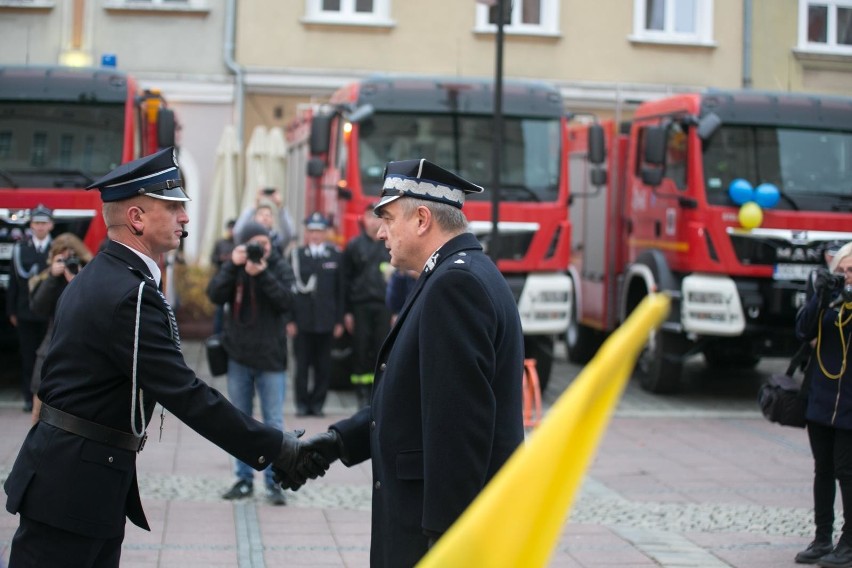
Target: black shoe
240 490
840 557
275 496
815 550
302 411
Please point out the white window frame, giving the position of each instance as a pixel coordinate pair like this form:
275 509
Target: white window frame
549 25
830 46
380 16
703 34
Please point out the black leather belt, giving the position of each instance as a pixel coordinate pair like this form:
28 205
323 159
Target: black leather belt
90 430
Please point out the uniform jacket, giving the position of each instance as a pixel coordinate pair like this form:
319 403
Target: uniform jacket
255 333
829 400
446 410
362 271
26 263
319 310
86 487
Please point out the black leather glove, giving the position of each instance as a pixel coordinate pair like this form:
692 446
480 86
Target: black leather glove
328 444
296 464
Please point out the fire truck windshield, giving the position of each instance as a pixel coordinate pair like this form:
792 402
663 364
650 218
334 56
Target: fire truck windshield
463 143
811 168
56 145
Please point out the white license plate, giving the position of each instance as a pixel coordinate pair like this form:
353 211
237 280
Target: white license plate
6 250
793 271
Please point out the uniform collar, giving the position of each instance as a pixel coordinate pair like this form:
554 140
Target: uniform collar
464 241
149 262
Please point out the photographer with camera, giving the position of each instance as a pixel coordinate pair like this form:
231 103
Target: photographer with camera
66 256
254 285
826 319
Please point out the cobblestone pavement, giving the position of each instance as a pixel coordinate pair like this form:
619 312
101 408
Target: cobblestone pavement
698 479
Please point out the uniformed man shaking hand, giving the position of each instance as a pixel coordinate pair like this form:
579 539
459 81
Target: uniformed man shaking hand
115 353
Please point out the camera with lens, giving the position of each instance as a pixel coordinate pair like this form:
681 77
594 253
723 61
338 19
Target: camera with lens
835 282
254 252
72 264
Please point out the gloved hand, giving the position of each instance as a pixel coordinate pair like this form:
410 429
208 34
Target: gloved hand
327 444
295 463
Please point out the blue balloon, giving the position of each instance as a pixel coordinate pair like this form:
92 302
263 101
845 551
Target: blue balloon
767 195
740 191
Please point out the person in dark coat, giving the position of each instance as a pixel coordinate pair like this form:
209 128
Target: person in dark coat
826 319
366 264
256 285
29 257
446 408
67 256
317 313
115 353
220 254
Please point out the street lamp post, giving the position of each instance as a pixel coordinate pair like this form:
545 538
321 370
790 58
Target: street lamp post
497 140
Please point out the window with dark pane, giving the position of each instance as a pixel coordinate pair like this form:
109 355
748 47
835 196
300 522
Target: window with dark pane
331 5
817 23
844 26
364 6
655 14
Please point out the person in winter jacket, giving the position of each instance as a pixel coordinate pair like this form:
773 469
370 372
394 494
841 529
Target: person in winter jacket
827 319
255 284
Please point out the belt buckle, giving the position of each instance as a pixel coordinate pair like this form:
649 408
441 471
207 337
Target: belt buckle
142 442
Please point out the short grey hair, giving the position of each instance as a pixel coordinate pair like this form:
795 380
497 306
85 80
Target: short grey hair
843 252
448 217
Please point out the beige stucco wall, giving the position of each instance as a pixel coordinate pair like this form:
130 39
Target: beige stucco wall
438 37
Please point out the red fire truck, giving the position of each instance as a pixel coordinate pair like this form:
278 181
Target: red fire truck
726 200
345 145
60 129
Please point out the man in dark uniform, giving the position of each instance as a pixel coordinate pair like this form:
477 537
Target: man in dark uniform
366 267
29 257
115 353
446 408
317 315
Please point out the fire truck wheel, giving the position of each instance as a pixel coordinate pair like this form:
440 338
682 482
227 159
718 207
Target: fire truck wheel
540 348
661 363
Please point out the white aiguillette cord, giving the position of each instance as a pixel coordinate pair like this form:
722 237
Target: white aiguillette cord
133 407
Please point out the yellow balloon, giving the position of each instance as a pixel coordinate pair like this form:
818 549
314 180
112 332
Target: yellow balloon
750 215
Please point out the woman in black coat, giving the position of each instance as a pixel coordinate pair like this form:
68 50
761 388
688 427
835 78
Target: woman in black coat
827 319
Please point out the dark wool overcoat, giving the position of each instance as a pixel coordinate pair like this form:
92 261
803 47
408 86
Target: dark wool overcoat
446 409
86 487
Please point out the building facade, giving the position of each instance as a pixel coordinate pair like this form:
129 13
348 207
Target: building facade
251 63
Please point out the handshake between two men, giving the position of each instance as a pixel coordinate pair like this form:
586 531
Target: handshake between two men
301 460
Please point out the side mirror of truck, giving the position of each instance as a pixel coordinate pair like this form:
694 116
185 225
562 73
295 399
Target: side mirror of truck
316 167
708 125
321 134
361 113
652 176
598 177
655 145
166 128
597 146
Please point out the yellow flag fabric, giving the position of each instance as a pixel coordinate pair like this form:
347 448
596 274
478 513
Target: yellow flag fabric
516 520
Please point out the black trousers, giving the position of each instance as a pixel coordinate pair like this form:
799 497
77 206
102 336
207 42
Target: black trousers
372 325
30 336
313 351
37 545
832 452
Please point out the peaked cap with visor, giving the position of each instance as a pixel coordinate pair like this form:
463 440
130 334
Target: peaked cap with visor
156 175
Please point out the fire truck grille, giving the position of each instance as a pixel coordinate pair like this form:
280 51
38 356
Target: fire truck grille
756 249
512 246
